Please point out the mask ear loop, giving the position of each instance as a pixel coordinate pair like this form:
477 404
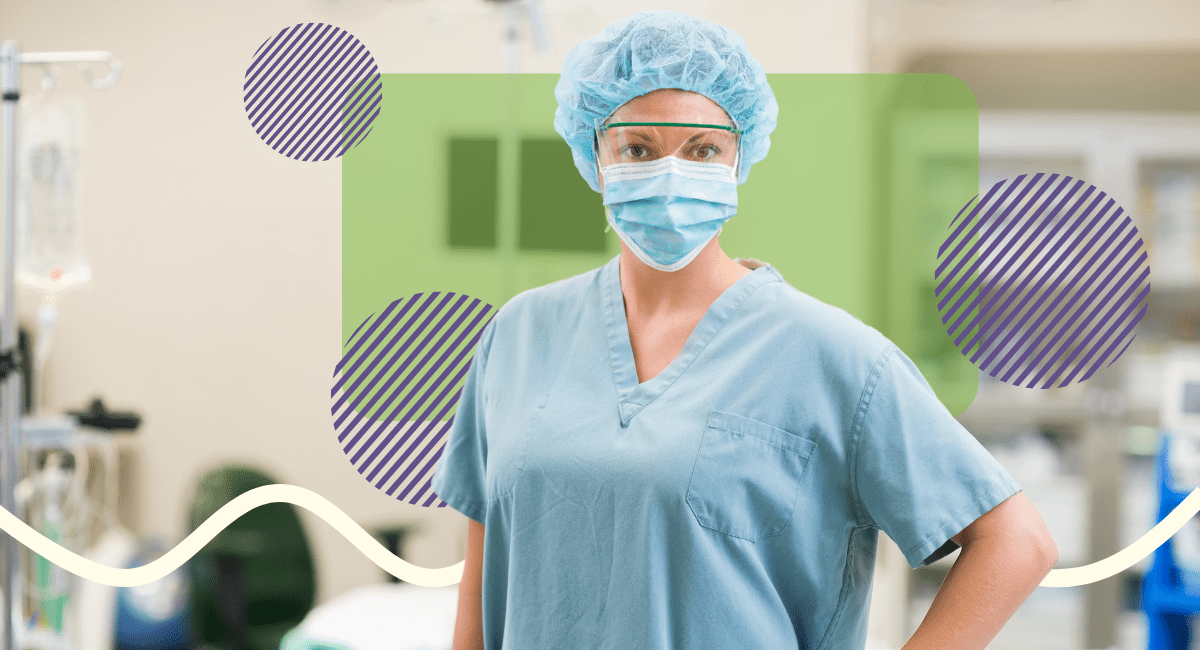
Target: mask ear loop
596 154
737 162
737 167
600 174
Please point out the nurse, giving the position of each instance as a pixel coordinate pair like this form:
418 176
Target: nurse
679 450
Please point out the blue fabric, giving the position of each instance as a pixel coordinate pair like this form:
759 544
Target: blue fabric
669 217
662 49
732 501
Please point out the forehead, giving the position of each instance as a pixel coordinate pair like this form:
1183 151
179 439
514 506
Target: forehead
671 105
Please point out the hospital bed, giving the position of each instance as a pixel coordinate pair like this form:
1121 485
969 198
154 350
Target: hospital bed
388 616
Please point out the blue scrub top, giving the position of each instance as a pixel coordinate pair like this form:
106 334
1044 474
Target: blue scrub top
732 501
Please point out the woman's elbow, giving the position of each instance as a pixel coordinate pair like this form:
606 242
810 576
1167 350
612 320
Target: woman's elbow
1035 534
1045 549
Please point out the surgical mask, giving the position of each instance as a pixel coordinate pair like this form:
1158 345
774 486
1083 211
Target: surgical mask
668 187
667 211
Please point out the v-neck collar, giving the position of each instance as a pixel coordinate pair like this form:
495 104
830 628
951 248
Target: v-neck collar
633 396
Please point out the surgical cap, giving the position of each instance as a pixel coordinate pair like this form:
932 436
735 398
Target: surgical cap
662 49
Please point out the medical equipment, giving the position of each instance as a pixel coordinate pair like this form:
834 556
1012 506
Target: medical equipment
155 616
53 582
662 49
1171 589
1181 405
57 499
11 60
1169 604
51 254
97 416
1181 417
51 257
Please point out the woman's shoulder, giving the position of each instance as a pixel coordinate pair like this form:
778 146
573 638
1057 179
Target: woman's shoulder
556 294
541 311
810 321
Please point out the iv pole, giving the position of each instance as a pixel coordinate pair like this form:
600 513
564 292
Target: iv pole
10 382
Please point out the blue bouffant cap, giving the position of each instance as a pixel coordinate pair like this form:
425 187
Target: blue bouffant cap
662 49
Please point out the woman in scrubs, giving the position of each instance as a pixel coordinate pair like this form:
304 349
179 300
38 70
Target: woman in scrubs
679 450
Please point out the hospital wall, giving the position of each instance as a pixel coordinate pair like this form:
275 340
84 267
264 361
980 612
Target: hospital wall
215 308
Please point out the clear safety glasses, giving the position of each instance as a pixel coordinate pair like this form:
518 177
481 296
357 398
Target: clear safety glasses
638 147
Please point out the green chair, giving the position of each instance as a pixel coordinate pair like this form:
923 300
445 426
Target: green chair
255 580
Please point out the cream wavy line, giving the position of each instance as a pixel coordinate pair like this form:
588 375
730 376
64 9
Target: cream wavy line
222 518
370 547
1130 555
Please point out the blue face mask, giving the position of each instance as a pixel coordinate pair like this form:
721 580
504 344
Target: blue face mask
666 211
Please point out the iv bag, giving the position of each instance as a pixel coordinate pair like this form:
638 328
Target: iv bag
50 252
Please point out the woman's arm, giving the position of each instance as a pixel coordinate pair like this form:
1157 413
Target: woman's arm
1005 554
468 626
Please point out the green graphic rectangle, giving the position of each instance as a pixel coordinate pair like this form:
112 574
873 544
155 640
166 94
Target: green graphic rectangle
864 176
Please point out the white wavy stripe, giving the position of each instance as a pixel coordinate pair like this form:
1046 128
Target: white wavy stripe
228 513
1130 555
450 575
445 576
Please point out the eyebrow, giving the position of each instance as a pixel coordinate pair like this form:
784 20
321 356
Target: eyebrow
643 136
647 138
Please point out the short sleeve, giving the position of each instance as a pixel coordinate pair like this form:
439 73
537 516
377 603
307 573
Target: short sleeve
460 476
917 474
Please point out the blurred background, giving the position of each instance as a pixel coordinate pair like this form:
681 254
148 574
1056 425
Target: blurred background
210 314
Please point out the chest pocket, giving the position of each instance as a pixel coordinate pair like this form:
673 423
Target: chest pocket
747 476
506 447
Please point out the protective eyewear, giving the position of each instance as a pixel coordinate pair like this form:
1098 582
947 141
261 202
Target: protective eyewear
637 143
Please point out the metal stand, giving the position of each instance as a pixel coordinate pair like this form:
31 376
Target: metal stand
11 60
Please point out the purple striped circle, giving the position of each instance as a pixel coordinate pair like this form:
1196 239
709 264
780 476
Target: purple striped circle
1043 281
312 92
397 386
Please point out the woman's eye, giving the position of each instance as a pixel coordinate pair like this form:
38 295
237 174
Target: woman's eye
706 152
636 151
